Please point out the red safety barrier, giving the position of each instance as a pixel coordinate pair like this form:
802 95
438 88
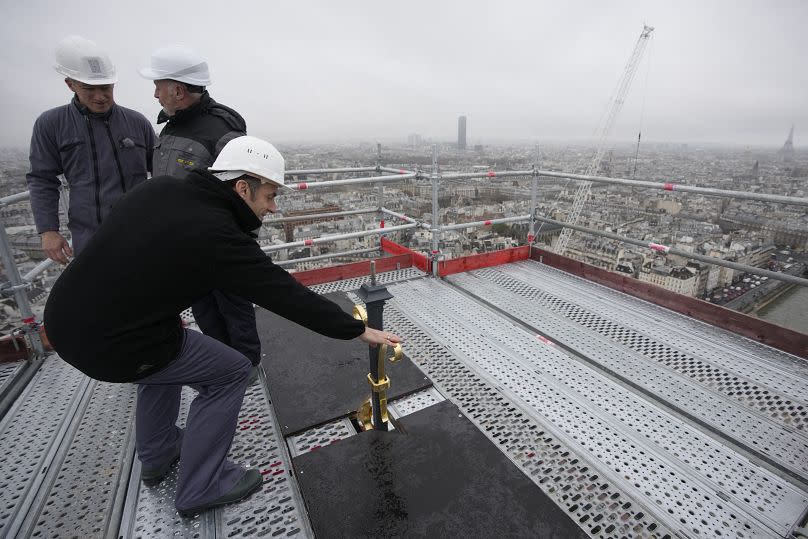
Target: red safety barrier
494 258
419 260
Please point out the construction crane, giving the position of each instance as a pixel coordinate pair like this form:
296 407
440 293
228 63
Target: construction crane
616 103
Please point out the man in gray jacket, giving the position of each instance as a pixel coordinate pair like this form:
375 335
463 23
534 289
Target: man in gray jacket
101 148
196 129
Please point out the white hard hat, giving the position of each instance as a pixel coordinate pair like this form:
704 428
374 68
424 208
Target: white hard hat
251 156
179 63
80 59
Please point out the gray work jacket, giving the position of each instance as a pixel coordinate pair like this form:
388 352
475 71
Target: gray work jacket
101 156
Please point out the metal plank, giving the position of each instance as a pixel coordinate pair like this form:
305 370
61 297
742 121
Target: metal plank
600 507
277 509
86 487
8 373
417 401
150 511
783 447
765 384
321 436
30 434
654 454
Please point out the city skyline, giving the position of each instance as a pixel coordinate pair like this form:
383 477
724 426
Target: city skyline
725 72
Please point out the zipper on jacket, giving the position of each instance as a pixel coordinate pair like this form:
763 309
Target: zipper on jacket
115 153
95 171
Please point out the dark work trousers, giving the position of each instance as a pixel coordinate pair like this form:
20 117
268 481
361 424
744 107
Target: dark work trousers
229 319
219 373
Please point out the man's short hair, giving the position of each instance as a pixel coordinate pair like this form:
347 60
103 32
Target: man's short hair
252 183
191 89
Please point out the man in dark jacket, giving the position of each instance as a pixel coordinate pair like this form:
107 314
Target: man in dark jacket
196 129
102 149
114 313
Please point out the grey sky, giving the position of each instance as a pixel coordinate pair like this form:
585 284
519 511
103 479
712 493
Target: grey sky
715 71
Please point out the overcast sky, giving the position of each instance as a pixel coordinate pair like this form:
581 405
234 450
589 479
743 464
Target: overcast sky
715 71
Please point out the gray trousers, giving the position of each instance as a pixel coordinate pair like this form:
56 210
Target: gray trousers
219 373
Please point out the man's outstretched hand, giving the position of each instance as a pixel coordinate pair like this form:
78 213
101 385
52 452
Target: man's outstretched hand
374 336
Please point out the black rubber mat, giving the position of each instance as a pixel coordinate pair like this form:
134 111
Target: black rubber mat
314 379
440 477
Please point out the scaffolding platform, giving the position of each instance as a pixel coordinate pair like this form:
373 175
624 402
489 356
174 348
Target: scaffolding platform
630 419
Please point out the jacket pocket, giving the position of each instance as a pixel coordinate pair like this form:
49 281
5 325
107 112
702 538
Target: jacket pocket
133 155
76 161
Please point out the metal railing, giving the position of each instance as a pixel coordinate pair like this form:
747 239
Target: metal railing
19 284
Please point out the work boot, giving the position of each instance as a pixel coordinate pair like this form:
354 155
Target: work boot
153 476
250 482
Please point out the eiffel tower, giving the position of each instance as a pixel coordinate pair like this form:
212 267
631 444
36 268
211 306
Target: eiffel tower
786 153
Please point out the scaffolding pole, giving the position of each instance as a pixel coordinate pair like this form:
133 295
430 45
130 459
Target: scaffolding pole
406 218
672 250
301 186
534 201
326 256
395 170
708 191
17 197
335 237
478 224
435 177
295 218
18 290
313 171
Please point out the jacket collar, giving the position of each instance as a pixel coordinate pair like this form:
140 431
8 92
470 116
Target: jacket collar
245 218
86 112
194 110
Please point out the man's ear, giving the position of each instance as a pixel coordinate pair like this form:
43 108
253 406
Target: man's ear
70 85
242 189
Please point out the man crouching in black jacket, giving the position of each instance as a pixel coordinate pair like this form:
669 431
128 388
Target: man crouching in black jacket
114 313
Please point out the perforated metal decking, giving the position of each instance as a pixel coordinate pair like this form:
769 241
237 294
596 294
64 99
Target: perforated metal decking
637 421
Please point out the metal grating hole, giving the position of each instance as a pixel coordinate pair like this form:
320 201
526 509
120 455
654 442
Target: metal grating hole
749 429
386 277
30 428
680 479
82 498
277 509
187 316
417 401
745 381
321 436
600 508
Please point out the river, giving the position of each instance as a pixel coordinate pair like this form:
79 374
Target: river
789 310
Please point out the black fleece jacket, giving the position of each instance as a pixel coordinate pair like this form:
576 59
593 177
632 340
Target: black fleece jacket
114 312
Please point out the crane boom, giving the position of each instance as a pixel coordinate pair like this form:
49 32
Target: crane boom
582 193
